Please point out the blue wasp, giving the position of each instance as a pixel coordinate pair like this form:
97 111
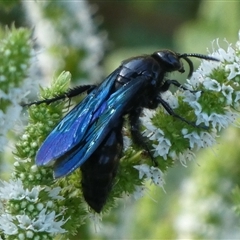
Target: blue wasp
90 135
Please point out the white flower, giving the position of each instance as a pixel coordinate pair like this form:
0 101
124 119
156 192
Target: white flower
197 107
157 135
202 118
15 190
151 132
186 155
225 56
139 192
153 174
143 170
234 70
222 120
236 100
208 139
170 99
207 67
46 222
237 96
147 116
194 82
53 193
156 176
205 139
194 139
212 85
227 92
162 148
183 156
191 96
24 222
6 224
32 196
232 57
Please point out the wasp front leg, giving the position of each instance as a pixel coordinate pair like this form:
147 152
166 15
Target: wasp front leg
171 112
170 82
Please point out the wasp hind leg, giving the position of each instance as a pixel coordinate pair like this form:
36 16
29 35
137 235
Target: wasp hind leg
137 136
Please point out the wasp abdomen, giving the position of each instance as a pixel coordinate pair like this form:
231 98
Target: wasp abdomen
99 171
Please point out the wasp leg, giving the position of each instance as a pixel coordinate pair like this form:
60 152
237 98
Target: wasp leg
72 92
172 113
137 136
169 82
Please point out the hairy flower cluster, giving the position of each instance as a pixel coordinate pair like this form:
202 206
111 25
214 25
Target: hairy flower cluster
29 208
15 57
33 215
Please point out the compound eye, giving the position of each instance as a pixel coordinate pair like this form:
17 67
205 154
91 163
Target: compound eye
169 59
174 61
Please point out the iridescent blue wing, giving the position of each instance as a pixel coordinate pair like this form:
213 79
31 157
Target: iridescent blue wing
71 130
113 110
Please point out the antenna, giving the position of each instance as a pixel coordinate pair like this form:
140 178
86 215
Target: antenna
186 56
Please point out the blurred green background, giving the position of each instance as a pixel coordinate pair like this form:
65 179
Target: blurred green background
197 202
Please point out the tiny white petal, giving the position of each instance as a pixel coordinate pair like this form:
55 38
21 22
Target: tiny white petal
153 174
46 222
222 120
194 139
162 148
234 70
24 222
207 67
186 155
157 176
32 195
194 82
139 192
212 85
190 96
172 154
12 190
237 96
6 224
202 118
170 99
227 92
208 139
197 107
143 170
54 193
